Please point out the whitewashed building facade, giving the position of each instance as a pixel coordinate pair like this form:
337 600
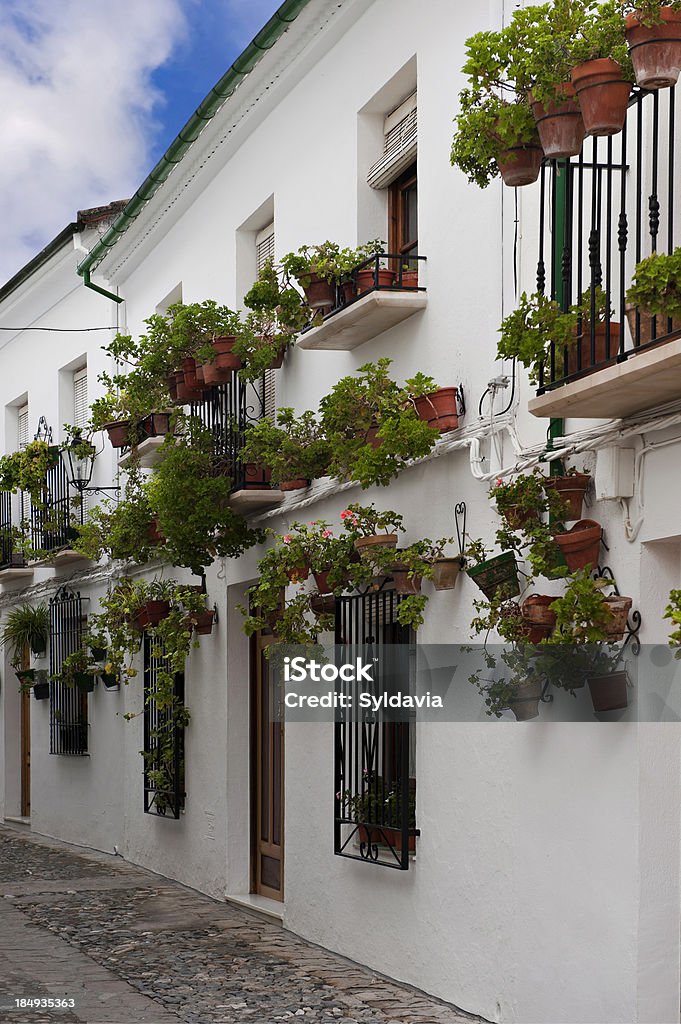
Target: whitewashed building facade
546 880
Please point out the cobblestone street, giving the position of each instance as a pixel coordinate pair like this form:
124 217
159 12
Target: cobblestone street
128 946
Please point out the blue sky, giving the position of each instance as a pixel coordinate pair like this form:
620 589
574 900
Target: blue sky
90 101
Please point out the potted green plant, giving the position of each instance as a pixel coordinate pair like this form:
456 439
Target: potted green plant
653 33
571 486
438 408
528 332
602 73
521 499
410 566
655 291
515 687
316 269
377 810
293 448
364 522
77 670
366 269
26 628
581 544
494 576
538 614
493 137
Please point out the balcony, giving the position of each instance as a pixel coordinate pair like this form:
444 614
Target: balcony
52 525
601 213
227 412
366 308
12 563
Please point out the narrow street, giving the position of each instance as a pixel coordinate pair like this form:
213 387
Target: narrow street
130 947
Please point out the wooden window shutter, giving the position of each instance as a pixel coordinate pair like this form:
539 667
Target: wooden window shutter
264 251
399 145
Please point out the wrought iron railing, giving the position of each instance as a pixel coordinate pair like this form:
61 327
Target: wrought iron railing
8 557
600 214
68 704
402 275
227 412
54 519
164 786
374 782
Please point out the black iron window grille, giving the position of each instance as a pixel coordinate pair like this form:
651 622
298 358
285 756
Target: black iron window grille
402 275
374 778
601 213
54 519
68 704
227 412
164 783
8 556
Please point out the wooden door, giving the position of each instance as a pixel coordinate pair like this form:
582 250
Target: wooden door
267 780
25 746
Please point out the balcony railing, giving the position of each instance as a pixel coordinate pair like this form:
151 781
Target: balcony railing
227 412
53 522
601 213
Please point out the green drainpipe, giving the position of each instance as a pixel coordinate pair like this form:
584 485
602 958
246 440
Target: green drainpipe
556 425
263 41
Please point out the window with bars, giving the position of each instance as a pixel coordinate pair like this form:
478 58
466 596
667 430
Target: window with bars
264 251
68 704
164 782
374 776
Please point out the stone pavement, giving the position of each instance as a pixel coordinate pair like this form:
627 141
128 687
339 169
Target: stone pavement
129 947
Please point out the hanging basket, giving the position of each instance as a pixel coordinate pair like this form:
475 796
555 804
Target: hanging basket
520 165
572 490
655 51
609 692
497 573
446 572
603 95
581 545
203 622
151 614
439 409
560 125
41 691
525 704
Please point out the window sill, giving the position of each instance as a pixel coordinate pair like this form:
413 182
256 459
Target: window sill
250 499
146 453
63 557
363 320
14 572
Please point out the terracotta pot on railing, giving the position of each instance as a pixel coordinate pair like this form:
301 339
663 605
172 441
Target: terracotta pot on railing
571 489
214 374
538 616
560 125
619 608
365 545
369 278
293 485
581 545
520 165
579 353
154 535
184 395
404 582
156 425
118 432
645 325
410 279
603 95
439 409
655 51
609 692
257 477
171 381
224 356
320 294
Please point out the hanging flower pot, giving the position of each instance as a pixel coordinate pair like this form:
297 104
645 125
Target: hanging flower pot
118 432
369 278
322 604
404 583
609 692
184 395
560 124
603 95
98 653
619 608
41 691
581 545
84 681
278 358
151 613
172 387
110 680
299 573
371 437
571 489
26 677
439 409
155 425
203 622
520 165
446 572
538 616
154 535
214 374
189 371
321 579
500 572
525 704
224 357
366 545
320 294
655 51
293 485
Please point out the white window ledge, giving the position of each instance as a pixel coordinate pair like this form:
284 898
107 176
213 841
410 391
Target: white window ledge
363 320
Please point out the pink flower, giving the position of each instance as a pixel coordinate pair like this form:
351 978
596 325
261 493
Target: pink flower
346 515
287 538
326 534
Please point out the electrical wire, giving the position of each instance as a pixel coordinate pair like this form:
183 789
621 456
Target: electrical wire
64 330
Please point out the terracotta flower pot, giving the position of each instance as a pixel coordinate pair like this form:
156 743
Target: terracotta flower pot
320 294
322 604
645 325
538 616
366 279
154 535
203 622
214 374
151 614
655 51
156 425
172 387
278 358
410 279
572 490
581 545
603 95
371 437
583 363
365 545
520 165
118 433
516 517
189 371
184 395
619 608
439 409
609 692
446 572
500 572
300 573
385 836
224 357
321 579
349 291
560 125
525 704
404 583
257 477
294 485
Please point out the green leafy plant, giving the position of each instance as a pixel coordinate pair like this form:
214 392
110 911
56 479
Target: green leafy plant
648 11
601 35
673 612
656 285
26 628
486 127
379 802
293 447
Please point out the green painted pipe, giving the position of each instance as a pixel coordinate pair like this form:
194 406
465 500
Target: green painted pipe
207 109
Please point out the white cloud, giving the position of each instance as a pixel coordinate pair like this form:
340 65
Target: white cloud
76 110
